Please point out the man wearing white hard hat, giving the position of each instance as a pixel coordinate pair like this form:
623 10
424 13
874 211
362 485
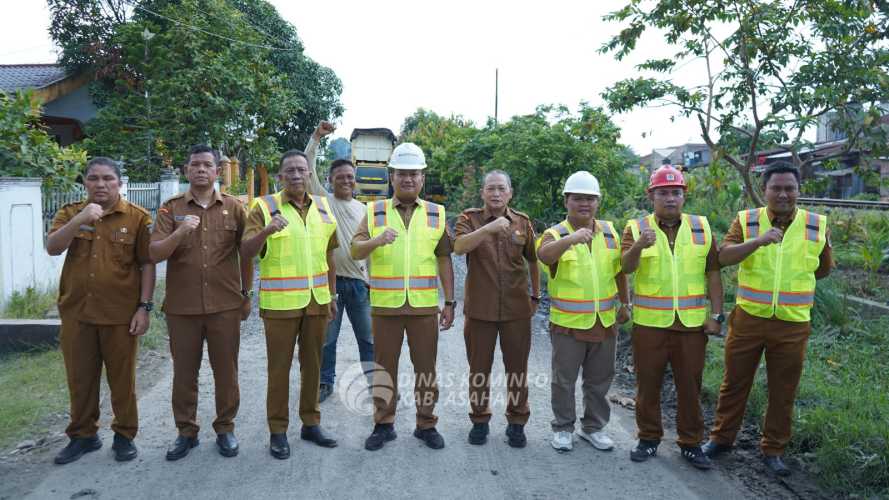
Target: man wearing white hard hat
408 253
588 299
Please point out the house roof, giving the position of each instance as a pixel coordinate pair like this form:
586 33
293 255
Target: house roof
15 77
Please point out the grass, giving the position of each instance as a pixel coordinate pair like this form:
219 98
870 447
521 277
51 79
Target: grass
30 304
839 427
34 385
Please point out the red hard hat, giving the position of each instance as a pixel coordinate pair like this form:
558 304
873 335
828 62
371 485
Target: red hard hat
666 176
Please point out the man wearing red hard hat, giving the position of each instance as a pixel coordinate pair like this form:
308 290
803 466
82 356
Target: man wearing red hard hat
676 274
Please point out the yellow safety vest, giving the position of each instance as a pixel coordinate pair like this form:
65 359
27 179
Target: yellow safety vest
583 287
670 283
294 266
406 269
779 279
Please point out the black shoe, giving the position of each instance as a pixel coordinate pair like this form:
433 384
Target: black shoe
516 435
124 449
381 434
181 446
644 450
431 437
324 392
227 444
776 465
76 448
479 433
314 434
279 447
695 456
713 449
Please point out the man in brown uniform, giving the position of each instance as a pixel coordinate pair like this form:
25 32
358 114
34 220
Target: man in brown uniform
420 324
498 241
208 295
750 335
284 328
104 299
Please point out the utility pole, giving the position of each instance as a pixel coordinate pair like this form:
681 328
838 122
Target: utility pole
147 36
496 92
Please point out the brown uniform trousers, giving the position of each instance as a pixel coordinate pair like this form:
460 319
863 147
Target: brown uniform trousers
653 348
422 339
515 344
99 291
281 337
86 348
785 351
188 333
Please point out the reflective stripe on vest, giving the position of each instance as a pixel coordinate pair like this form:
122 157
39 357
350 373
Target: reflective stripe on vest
666 303
321 205
791 299
288 284
697 230
432 218
753 223
811 227
272 204
609 238
379 209
583 306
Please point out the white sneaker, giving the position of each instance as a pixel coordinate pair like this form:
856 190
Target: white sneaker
563 441
599 440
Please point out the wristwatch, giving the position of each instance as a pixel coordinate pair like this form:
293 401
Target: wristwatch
148 306
247 293
452 303
628 305
535 299
719 318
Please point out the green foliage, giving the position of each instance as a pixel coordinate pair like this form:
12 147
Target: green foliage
30 304
34 389
26 150
771 70
251 94
539 151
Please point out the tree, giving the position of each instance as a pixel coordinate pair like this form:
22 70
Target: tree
539 151
230 73
26 150
781 67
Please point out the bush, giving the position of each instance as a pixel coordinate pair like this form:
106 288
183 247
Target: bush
30 304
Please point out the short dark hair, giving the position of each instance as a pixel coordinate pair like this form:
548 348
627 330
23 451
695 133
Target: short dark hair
203 148
780 167
102 160
337 164
290 154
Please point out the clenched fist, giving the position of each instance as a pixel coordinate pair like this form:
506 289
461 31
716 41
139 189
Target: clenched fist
386 237
500 224
773 235
189 224
90 213
581 236
647 238
277 224
325 128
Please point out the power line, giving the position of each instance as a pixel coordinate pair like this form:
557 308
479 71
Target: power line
209 33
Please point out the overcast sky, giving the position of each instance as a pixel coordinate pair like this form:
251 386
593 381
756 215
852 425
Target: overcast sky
396 56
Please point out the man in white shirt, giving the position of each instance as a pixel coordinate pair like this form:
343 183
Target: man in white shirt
351 275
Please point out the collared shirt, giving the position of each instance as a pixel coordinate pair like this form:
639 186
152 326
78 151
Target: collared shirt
442 249
748 322
497 277
204 272
102 277
671 230
598 332
255 223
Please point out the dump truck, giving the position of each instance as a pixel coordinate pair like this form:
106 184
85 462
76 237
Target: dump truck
371 149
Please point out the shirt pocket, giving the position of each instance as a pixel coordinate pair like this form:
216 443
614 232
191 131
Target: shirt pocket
188 242
82 243
225 231
123 247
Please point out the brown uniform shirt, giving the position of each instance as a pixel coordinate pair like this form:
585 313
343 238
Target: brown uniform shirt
255 223
102 276
442 249
627 241
497 277
204 272
598 332
747 321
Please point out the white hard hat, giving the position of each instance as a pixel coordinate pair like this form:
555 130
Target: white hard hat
408 156
582 182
